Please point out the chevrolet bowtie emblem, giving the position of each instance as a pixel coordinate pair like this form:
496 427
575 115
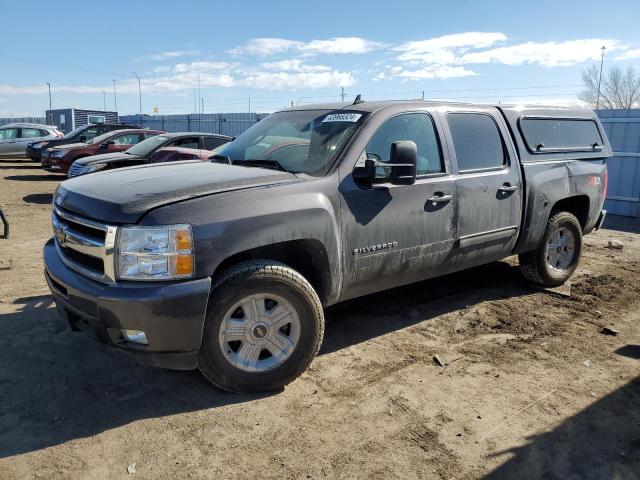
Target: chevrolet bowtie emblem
61 236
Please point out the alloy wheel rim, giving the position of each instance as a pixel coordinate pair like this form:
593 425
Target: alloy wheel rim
259 332
561 249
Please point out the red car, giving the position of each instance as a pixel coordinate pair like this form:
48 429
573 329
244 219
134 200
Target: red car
59 159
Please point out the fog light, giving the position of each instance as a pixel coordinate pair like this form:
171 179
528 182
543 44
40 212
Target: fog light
135 336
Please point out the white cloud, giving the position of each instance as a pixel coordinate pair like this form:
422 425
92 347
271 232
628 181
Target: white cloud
434 71
337 45
295 65
341 45
294 81
546 54
629 54
171 54
200 67
445 49
265 46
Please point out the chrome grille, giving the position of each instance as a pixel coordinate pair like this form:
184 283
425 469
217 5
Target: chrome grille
74 170
85 246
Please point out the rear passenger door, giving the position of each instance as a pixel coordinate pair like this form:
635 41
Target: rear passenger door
488 186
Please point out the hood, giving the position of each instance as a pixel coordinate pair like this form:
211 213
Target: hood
105 158
126 194
69 146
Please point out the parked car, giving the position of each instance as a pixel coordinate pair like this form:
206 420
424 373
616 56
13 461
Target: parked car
59 159
163 148
227 265
14 137
79 135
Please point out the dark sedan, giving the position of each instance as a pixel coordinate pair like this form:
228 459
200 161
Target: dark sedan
162 148
59 159
83 134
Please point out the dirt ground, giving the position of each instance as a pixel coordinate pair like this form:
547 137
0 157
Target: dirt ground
531 388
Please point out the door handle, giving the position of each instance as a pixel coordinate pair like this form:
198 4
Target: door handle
506 188
440 197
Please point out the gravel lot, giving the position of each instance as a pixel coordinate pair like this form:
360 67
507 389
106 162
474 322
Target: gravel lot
531 388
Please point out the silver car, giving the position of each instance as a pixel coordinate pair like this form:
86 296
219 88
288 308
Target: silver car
14 137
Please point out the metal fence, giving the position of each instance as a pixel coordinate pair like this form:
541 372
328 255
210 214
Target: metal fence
623 130
232 124
4 121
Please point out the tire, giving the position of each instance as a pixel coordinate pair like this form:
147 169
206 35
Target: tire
227 356
538 266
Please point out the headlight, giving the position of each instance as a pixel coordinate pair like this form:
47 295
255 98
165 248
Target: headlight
57 153
39 144
92 168
155 253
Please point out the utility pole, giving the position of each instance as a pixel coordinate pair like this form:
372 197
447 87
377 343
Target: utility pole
115 97
104 101
249 103
600 77
139 96
342 94
423 95
49 85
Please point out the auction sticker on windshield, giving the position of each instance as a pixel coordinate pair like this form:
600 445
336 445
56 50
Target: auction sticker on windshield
342 117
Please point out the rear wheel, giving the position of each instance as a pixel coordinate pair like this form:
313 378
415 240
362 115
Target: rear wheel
558 255
264 326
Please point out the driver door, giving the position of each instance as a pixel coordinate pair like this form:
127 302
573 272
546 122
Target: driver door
398 234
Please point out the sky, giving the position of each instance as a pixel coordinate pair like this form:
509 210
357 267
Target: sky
238 55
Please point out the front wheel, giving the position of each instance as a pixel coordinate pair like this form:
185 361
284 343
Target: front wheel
264 326
558 255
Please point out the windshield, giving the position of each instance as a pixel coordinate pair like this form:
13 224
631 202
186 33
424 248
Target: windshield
101 138
147 146
298 141
73 133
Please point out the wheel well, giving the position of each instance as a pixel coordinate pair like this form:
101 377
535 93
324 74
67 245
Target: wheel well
578 206
308 257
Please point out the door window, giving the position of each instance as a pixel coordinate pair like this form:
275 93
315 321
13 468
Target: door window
477 141
30 133
415 127
127 139
211 142
91 132
189 142
8 133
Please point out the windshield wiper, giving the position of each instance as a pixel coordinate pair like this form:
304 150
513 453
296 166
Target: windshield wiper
273 164
220 159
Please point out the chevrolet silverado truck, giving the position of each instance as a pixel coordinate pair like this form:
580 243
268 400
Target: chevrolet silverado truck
227 265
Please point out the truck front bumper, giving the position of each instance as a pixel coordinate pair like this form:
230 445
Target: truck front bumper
171 314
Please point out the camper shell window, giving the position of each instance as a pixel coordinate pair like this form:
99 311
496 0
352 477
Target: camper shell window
551 135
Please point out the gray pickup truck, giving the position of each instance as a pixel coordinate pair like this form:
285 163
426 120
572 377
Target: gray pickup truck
226 265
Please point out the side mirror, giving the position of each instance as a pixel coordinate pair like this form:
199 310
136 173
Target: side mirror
106 144
402 164
82 138
403 161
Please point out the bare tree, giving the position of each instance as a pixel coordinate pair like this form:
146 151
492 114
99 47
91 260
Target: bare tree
619 89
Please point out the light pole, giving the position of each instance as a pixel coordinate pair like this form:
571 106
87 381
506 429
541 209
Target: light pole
115 97
600 77
104 101
139 94
49 85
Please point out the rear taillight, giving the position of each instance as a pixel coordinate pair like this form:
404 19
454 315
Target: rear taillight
605 178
